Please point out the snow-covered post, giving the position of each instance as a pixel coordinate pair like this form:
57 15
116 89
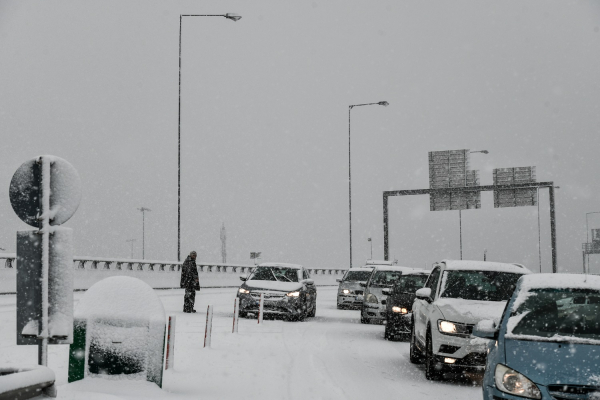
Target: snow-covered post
170 357
208 330
45 231
236 314
261 306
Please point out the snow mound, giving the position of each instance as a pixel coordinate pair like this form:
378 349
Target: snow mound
121 297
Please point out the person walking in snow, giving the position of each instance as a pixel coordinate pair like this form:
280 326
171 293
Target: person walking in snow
190 282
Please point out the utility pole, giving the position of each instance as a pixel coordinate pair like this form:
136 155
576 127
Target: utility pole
223 243
370 241
131 241
143 210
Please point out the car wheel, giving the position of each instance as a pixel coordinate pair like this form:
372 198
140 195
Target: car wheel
312 312
389 331
433 371
415 356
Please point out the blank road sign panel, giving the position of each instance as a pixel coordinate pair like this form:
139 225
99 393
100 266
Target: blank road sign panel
515 197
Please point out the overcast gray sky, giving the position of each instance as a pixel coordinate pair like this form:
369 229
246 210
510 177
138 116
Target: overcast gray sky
265 122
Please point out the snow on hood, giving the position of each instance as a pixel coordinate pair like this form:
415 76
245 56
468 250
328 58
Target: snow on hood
274 285
470 311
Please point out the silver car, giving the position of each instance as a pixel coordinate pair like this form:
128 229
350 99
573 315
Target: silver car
350 292
287 291
373 309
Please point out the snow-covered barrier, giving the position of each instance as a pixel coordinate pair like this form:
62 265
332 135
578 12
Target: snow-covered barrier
157 274
119 332
26 382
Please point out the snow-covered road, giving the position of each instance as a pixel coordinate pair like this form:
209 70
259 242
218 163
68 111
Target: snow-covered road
331 356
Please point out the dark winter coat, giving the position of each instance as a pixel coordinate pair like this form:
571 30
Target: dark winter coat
189 275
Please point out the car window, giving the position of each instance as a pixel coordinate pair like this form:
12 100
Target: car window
545 313
357 276
432 281
385 278
274 274
305 274
478 285
409 283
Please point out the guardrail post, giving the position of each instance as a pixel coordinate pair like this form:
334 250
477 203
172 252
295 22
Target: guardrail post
236 314
170 357
261 306
208 329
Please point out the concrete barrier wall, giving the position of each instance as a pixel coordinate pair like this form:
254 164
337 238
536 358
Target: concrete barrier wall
211 275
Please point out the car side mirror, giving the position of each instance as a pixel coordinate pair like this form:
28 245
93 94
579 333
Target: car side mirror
243 278
486 328
362 284
309 281
338 280
387 292
424 294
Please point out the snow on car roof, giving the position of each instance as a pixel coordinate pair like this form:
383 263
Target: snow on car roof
485 266
284 265
393 268
574 281
365 268
379 262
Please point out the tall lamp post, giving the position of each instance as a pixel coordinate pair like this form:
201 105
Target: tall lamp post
460 211
233 17
587 238
143 210
131 241
381 103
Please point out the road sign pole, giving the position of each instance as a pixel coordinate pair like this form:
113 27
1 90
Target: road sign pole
385 227
552 228
45 231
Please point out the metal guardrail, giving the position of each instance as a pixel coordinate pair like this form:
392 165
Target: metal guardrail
96 263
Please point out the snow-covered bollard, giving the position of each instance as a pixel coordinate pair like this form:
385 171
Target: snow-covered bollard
208 329
170 357
119 329
261 306
236 314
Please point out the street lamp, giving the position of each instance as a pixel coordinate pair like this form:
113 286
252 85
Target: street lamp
131 241
371 242
380 103
460 211
233 17
143 210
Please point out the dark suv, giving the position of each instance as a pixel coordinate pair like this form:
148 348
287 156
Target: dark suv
399 304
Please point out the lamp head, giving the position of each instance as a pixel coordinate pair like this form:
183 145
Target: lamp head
383 103
233 16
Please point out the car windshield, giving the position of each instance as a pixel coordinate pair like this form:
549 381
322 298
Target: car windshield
559 314
275 274
385 278
410 283
479 285
357 276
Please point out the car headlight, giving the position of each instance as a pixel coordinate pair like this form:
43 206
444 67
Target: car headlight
453 328
346 291
400 310
512 382
371 298
244 291
293 294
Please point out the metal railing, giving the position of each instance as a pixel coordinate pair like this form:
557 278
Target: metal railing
101 263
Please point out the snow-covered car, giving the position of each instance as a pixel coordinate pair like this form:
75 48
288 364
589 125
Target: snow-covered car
539 351
287 291
399 303
456 296
350 293
373 308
